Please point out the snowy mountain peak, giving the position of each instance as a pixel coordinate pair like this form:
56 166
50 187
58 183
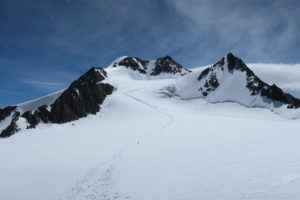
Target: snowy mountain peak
167 64
164 67
134 63
230 80
93 75
84 96
234 62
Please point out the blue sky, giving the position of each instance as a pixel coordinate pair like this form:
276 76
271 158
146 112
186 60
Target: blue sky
45 44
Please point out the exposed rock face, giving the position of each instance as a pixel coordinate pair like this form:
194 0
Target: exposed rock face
168 65
12 127
5 112
134 63
84 96
272 93
164 65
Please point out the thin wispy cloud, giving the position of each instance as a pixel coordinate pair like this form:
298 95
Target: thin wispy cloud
9 92
43 84
46 80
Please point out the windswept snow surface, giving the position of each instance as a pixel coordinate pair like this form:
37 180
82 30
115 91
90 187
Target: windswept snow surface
146 146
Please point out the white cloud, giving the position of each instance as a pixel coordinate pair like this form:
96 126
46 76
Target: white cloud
41 83
259 30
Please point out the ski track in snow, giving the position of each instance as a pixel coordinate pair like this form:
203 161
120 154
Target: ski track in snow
98 182
153 107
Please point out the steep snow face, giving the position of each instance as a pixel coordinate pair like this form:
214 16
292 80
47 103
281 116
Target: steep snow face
162 68
230 80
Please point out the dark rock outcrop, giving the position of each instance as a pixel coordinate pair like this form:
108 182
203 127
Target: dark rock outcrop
5 112
134 63
12 127
84 96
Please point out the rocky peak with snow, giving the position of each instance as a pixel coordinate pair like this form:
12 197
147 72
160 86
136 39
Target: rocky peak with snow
134 63
84 96
93 75
257 86
167 64
230 80
154 68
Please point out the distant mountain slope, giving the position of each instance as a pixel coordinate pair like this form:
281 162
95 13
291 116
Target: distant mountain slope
84 96
230 80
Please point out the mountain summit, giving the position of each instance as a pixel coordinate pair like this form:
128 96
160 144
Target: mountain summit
231 80
164 67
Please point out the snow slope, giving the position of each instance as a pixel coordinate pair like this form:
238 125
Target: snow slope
144 145
36 103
